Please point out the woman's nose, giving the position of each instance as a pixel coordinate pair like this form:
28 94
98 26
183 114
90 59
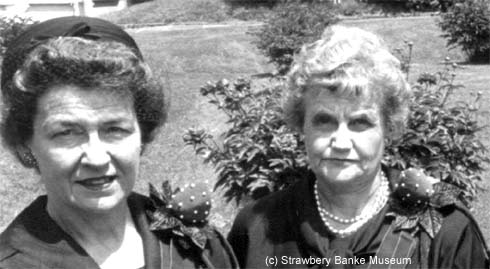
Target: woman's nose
341 139
95 152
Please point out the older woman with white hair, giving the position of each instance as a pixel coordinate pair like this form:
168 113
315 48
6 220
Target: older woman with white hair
348 96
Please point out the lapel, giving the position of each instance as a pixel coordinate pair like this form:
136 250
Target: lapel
313 237
138 205
35 234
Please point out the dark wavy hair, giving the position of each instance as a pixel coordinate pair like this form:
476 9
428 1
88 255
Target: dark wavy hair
87 64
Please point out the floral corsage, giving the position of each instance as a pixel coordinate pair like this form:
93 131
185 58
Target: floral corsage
417 199
182 213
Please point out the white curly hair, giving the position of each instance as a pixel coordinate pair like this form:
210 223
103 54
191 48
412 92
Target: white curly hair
352 62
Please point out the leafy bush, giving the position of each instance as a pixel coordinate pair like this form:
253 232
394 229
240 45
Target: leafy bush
11 27
467 24
429 5
251 14
292 25
266 3
441 137
251 3
259 154
352 8
395 7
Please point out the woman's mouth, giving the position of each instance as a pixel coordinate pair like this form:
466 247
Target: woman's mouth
97 183
340 161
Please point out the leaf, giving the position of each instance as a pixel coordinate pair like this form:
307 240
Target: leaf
445 194
431 221
161 220
166 191
405 222
156 197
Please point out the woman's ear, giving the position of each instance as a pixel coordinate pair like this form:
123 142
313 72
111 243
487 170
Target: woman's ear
396 131
24 154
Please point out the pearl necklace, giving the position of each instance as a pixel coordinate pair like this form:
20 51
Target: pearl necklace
369 211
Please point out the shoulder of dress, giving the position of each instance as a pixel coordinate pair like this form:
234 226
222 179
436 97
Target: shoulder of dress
19 231
6 254
257 213
6 249
273 209
279 203
220 252
12 241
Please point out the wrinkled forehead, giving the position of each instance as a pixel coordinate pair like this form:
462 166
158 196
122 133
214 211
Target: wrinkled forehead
342 96
61 96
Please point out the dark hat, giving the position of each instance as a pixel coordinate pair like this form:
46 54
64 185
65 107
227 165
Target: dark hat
84 27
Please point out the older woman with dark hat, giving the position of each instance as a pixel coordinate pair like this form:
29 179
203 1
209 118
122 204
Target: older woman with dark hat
80 105
348 96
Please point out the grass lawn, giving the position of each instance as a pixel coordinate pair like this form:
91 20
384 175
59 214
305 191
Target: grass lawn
185 11
185 60
171 11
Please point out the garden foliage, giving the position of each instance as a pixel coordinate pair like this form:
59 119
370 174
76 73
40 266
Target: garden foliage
10 27
441 134
429 5
258 154
290 26
251 3
467 24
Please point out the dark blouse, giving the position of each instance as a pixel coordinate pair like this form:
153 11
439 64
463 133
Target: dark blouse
284 227
34 240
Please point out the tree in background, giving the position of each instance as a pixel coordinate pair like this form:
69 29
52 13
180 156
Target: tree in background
11 27
291 25
467 25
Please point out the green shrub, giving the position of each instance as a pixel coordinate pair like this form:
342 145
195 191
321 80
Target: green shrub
440 136
251 14
11 27
467 24
251 3
429 5
259 154
292 25
352 8
395 7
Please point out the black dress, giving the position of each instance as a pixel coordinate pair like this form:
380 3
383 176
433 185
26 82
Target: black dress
284 230
34 240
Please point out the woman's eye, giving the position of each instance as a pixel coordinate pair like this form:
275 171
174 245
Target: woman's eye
360 124
117 131
64 133
67 137
321 120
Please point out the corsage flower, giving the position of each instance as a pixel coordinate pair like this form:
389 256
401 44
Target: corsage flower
182 213
417 198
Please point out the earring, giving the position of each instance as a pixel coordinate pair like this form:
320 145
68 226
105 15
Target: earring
29 159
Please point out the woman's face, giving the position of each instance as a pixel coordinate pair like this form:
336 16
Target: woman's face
87 144
343 135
